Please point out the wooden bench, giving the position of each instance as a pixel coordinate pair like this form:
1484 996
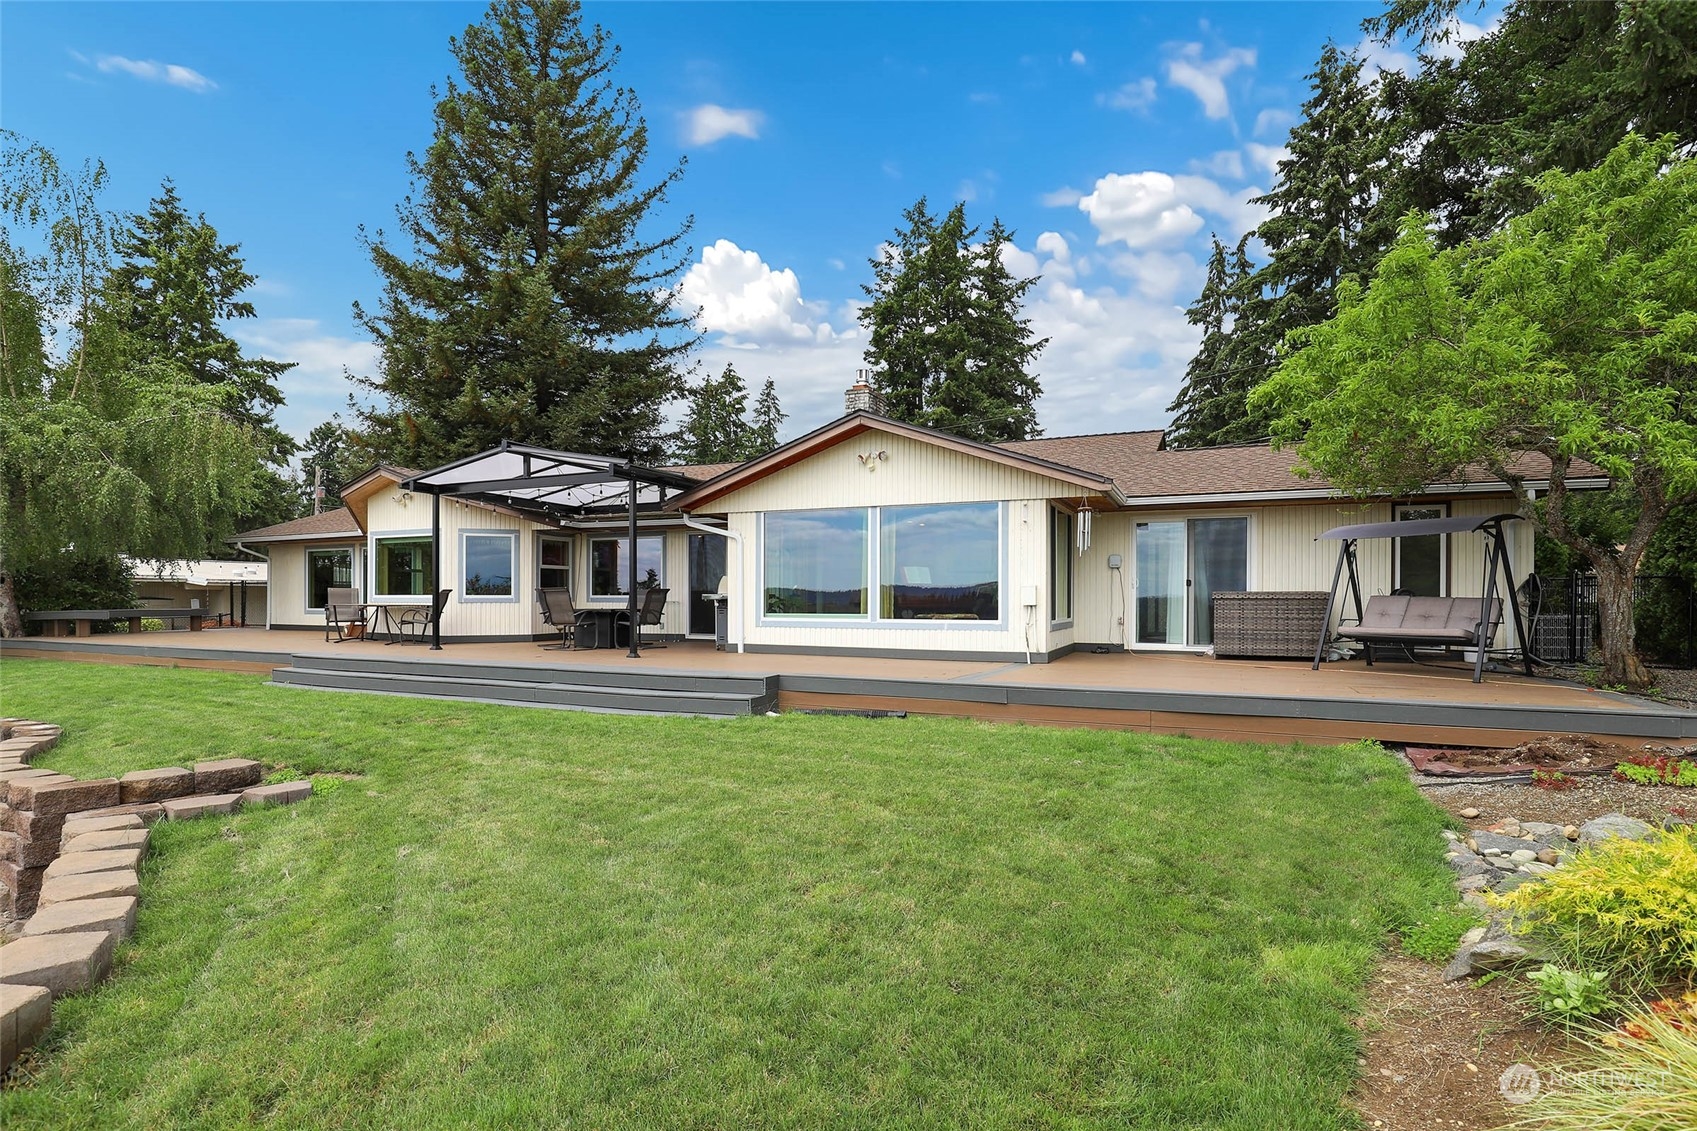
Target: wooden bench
1430 622
83 619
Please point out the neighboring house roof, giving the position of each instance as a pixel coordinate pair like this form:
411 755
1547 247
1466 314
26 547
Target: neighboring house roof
701 472
337 523
856 423
200 573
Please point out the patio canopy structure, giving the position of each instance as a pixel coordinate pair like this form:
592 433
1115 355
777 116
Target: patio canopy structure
1496 561
559 486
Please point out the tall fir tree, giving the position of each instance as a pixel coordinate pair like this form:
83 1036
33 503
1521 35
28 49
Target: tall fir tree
768 417
534 307
330 456
175 285
1210 408
714 429
948 343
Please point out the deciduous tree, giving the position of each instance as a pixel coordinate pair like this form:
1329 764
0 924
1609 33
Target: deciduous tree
1570 334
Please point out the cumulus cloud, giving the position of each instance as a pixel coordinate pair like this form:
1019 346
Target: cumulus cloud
318 384
1078 59
1225 163
1153 209
1273 121
150 70
1064 197
741 297
709 123
1205 78
1135 96
1266 157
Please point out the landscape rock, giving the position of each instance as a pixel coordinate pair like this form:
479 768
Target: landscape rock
1549 856
24 884
105 839
227 775
1540 828
185 808
1490 844
1469 813
1571 832
89 885
155 785
60 964
68 796
81 863
1482 957
1536 869
147 811
27 852
1613 825
116 914
9 778
34 826
1474 883
282 793
82 826
1523 856
25 1014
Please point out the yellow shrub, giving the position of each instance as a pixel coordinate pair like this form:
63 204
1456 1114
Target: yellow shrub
1626 906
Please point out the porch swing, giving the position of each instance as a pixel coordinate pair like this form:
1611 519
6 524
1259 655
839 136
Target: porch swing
1409 622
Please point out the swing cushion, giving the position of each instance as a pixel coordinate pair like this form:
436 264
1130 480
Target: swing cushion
1424 620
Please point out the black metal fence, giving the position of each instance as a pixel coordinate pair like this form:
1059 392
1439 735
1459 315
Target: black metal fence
1564 623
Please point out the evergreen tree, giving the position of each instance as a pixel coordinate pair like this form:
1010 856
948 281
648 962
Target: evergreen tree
1552 86
1210 408
330 456
533 308
768 417
946 339
175 286
714 430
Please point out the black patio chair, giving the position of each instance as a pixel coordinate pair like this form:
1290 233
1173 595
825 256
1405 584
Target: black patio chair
415 624
651 612
344 616
559 612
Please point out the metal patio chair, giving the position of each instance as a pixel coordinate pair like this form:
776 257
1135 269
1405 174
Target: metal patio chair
559 612
651 612
343 615
415 623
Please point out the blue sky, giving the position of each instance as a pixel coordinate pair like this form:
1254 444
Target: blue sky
1113 138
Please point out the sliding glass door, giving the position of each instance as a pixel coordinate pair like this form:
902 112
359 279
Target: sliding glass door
1180 566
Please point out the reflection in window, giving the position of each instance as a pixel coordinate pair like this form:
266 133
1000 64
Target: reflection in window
554 569
1060 566
815 563
609 565
403 567
327 569
488 566
940 562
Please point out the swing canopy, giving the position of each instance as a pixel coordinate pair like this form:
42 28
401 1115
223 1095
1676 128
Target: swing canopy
1414 528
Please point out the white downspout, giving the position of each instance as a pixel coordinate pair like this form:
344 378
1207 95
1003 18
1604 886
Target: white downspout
734 536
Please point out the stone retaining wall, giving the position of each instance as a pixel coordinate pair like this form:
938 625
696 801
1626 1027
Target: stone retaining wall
70 854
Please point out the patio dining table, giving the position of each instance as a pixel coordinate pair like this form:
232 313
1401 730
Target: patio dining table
386 613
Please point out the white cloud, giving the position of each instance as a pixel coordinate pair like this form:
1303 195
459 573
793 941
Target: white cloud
317 386
1078 59
1064 197
709 123
1273 121
741 297
1153 209
149 70
1225 163
1205 78
1135 96
837 264
1266 157
1455 34
1376 57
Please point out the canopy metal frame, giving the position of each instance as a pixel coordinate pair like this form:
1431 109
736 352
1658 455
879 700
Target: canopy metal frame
558 485
1496 561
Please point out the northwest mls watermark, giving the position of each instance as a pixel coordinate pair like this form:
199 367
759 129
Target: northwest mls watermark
1521 1083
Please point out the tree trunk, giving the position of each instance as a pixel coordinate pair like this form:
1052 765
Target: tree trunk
11 623
1619 636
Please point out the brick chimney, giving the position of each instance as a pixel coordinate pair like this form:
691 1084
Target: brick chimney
861 396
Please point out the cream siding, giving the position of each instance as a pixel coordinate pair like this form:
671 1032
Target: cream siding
287 596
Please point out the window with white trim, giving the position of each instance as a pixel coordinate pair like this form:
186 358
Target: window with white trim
488 563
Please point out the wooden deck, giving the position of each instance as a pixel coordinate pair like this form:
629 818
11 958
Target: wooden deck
1271 701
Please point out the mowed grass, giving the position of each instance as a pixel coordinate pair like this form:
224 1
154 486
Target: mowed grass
527 918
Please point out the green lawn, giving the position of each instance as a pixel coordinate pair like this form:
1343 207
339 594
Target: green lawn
525 918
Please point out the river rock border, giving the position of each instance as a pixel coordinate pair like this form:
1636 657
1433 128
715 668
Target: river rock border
70 851
1502 856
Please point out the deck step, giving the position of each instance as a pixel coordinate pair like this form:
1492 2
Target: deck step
547 671
654 692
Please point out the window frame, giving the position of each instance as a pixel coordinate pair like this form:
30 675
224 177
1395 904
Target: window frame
371 588
874 578
569 541
1443 507
353 571
1058 517
590 595
464 593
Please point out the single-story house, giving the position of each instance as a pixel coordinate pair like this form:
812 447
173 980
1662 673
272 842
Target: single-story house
869 536
232 591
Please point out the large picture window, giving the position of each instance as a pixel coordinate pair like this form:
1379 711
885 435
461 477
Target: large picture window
554 563
1060 565
940 562
609 565
327 570
402 567
816 563
487 565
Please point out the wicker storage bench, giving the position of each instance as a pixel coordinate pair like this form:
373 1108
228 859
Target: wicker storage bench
1275 625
